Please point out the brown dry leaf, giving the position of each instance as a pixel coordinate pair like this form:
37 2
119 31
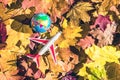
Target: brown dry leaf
58 10
70 60
106 37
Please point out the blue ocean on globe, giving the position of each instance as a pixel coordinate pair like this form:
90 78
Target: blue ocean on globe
41 22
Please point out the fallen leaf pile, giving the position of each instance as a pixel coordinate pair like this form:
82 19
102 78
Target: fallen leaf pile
88 49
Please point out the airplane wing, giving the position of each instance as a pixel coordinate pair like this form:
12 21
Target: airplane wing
41 41
52 51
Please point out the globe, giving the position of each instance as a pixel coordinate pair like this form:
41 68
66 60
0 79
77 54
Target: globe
40 22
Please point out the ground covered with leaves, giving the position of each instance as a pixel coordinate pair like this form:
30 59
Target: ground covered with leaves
88 49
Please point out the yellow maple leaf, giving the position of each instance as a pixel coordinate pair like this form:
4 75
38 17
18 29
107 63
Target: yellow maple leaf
105 6
70 32
79 11
99 57
104 54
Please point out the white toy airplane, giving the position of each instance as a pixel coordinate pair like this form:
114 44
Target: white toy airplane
48 45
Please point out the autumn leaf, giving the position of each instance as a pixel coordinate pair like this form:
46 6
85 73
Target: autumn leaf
69 59
103 55
57 9
40 5
79 11
100 56
91 72
105 6
86 42
101 22
5 2
70 32
106 37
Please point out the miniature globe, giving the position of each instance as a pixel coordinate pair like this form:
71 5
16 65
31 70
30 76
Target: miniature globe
40 22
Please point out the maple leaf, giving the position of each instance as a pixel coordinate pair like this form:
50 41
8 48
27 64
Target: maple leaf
101 22
106 37
70 32
86 42
79 11
105 6
69 59
100 56
91 72
40 5
57 9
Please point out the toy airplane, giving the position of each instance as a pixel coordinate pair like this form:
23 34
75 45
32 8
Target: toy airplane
48 45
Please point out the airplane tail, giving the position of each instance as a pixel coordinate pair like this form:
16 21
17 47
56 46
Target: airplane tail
35 58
